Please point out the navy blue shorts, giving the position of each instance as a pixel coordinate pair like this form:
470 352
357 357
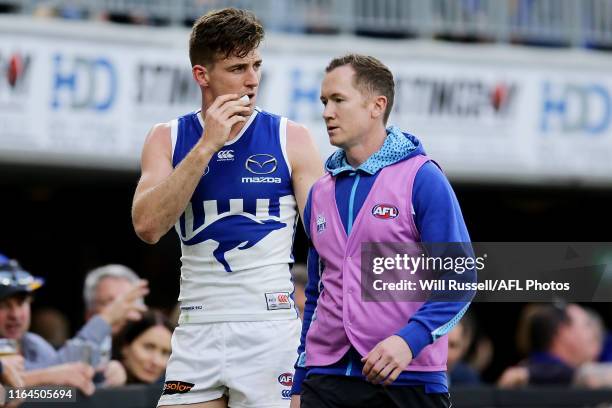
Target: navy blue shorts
329 391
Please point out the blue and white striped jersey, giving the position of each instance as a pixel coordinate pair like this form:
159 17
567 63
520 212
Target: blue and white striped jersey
237 230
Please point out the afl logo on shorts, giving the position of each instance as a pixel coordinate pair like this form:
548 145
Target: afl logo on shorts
176 387
286 379
385 211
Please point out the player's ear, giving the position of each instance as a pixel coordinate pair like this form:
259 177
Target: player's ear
200 74
379 106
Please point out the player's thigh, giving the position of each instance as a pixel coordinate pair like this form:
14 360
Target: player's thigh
260 363
193 374
219 403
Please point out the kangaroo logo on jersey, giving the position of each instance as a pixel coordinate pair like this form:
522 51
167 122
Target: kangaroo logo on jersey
385 211
234 231
261 163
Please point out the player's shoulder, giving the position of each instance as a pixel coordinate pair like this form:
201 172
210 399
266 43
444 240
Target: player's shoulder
159 138
160 131
297 133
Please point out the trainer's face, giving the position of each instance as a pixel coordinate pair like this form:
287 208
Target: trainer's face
347 112
234 75
14 316
146 357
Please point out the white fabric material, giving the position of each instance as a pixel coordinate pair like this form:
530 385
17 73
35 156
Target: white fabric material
244 360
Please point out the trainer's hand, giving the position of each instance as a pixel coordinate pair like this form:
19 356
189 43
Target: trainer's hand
220 117
295 401
386 360
128 306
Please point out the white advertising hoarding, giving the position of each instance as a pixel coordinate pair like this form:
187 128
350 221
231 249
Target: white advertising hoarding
74 101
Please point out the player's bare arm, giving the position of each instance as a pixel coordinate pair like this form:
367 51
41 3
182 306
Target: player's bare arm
305 162
163 192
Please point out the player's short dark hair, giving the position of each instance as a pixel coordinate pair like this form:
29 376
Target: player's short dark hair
371 76
224 33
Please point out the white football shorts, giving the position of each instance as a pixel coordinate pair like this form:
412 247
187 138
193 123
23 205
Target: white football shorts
249 362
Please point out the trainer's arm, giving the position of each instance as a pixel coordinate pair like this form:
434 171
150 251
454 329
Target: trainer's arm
312 295
439 219
163 192
306 165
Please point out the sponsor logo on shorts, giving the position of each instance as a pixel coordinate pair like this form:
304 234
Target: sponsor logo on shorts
192 307
286 379
385 211
278 300
176 387
286 394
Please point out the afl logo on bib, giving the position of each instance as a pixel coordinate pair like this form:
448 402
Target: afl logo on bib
286 379
385 211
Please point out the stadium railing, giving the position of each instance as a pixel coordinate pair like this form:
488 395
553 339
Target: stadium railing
541 22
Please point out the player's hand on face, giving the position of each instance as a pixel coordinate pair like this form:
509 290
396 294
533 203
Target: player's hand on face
385 362
221 116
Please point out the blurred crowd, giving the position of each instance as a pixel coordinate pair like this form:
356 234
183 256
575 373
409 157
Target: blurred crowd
528 22
125 342
122 342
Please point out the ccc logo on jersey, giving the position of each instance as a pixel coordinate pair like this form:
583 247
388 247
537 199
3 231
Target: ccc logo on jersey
261 163
225 155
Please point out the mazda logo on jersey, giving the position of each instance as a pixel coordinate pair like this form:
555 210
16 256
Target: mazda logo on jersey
261 163
385 211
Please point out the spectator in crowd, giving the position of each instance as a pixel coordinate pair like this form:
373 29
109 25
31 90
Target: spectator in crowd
16 287
459 341
564 341
45 365
12 370
52 325
106 284
103 287
143 347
